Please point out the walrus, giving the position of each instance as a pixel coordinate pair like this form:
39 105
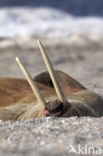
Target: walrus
51 93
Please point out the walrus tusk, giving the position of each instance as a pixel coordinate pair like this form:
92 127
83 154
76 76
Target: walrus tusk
32 83
52 73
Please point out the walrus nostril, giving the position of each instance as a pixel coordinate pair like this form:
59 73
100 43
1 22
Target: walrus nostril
59 108
55 106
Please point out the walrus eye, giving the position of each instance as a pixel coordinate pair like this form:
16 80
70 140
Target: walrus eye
54 106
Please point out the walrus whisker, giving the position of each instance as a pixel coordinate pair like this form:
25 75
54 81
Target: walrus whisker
32 83
52 73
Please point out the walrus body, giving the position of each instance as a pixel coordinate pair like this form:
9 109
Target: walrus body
17 101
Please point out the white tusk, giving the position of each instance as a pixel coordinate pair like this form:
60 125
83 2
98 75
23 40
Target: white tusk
52 73
33 85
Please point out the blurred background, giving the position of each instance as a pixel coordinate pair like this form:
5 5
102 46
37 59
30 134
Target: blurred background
71 31
50 18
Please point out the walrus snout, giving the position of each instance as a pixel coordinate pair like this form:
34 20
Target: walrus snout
56 108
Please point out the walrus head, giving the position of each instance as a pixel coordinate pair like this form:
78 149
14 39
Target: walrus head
73 98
